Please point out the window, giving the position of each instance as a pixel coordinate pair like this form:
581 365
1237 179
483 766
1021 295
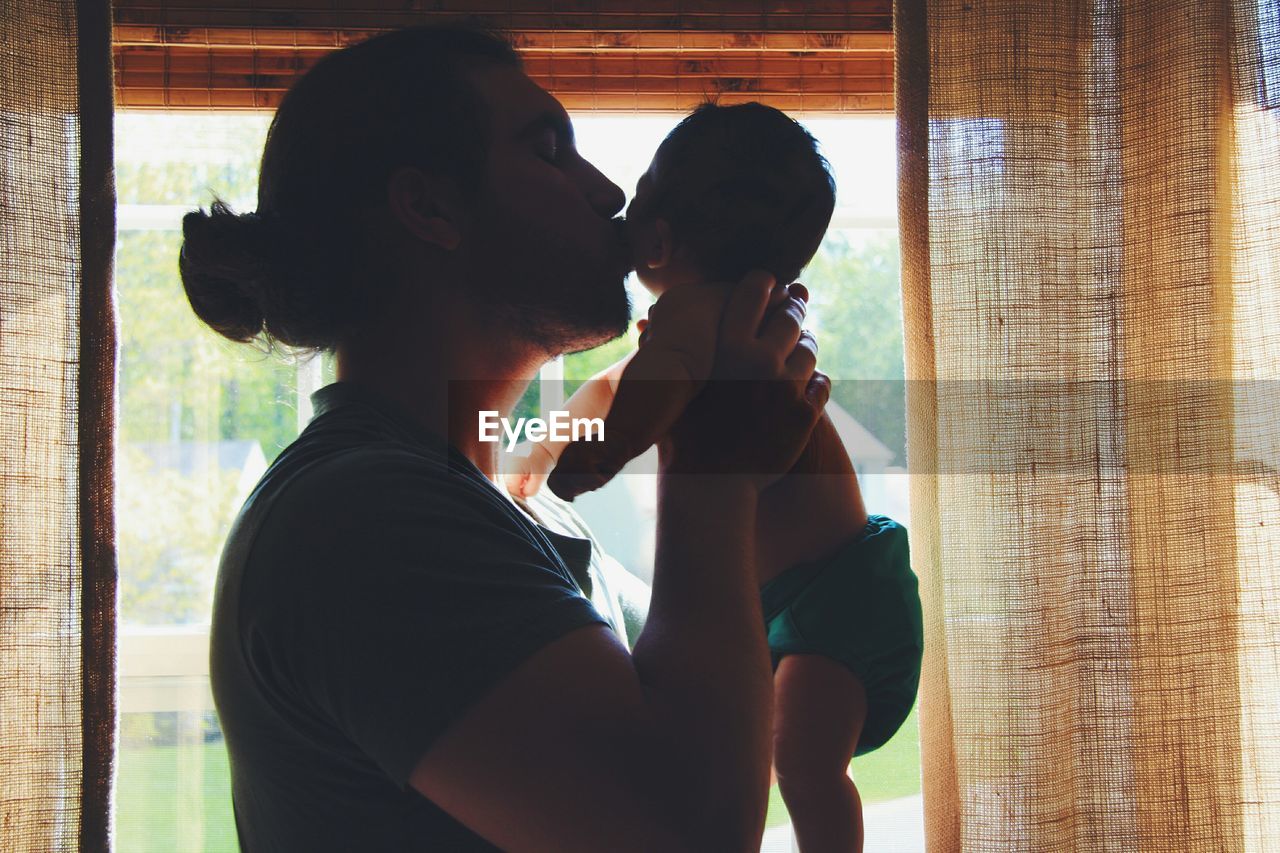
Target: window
201 418
1268 53
198 423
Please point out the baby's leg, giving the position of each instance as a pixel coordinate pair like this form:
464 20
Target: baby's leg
819 710
813 510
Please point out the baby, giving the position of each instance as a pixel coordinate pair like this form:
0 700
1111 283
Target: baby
732 189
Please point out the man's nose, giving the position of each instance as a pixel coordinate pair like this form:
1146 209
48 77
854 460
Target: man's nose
604 196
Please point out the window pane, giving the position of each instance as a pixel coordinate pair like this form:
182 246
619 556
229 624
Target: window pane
200 419
200 416
172 789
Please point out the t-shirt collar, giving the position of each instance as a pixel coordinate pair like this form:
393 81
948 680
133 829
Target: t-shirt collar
341 393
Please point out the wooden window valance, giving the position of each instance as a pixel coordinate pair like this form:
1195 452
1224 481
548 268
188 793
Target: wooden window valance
816 57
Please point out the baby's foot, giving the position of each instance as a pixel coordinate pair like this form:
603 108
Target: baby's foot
581 469
528 471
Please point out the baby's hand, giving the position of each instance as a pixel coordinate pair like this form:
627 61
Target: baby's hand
583 471
529 470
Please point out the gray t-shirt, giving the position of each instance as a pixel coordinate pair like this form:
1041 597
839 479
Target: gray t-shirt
374 585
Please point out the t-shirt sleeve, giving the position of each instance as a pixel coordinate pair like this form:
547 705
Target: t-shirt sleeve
429 594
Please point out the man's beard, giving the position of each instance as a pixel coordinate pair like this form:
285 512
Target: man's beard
563 330
539 295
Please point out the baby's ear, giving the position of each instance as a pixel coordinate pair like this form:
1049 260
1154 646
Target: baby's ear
658 245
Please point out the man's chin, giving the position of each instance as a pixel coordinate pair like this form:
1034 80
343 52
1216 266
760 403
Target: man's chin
590 342
564 329
598 329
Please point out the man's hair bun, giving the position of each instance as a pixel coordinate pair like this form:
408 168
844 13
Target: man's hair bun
244 279
226 270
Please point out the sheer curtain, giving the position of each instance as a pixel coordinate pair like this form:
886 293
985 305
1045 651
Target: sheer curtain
57 367
1089 198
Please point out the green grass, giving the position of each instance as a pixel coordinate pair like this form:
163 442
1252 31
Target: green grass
160 808
892 771
174 798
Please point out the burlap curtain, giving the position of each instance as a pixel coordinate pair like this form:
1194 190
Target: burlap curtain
1090 268
57 368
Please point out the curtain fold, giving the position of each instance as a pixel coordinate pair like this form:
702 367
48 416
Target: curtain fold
1088 203
57 377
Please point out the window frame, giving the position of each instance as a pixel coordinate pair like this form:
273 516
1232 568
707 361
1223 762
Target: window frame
165 668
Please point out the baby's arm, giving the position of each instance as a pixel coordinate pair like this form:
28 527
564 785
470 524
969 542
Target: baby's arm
593 399
662 376
678 345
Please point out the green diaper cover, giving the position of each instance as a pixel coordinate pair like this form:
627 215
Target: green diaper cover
861 607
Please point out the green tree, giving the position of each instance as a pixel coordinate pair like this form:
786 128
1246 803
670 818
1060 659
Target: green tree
171 527
856 313
179 381
581 366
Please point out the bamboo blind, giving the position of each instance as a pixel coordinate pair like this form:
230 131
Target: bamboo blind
608 55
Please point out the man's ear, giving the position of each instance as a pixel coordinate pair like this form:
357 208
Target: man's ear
427 206
657 244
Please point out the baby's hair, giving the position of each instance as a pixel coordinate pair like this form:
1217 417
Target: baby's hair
743 187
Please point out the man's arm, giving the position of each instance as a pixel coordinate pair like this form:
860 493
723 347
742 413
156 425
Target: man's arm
583 747
657 750
449 647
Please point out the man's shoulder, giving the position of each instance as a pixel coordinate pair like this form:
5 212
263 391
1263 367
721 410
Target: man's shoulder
381 478
392 514
320 498
380 461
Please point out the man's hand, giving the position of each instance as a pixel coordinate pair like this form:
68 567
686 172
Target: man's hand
755 415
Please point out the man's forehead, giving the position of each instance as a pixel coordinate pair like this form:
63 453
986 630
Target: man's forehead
514 100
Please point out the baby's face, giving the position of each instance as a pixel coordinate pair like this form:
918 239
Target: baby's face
639 238
647 240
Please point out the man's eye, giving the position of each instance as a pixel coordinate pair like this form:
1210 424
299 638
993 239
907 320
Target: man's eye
547 147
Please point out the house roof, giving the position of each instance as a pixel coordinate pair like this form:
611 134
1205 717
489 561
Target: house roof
858 440
186 456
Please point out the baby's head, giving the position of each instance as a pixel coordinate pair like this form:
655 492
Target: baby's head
729 190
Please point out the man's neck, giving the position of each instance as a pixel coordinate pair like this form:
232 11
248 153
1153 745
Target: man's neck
444 380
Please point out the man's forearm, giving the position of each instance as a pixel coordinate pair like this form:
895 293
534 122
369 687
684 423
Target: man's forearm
702 657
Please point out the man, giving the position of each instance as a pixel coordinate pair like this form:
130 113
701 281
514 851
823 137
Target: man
402 659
